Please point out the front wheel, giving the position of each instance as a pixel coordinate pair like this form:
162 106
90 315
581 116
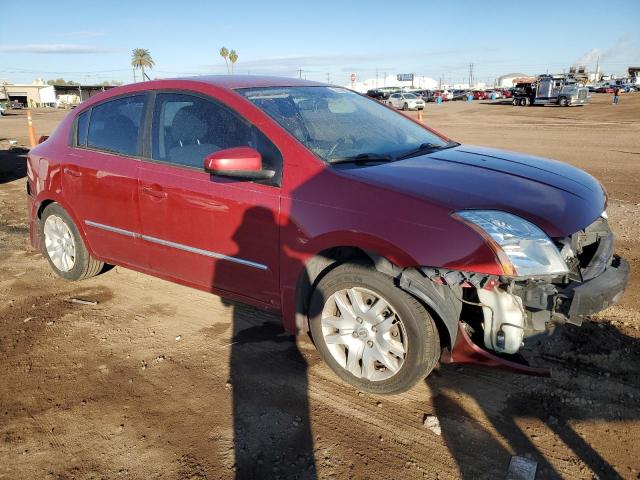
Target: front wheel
405 107
372 334
563 102
64 247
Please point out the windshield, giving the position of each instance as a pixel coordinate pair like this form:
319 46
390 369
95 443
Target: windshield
337 123
409 95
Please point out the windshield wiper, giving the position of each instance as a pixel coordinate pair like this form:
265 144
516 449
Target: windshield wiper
361 158
426 148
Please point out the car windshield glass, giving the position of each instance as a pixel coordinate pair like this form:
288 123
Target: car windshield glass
409 95
336 122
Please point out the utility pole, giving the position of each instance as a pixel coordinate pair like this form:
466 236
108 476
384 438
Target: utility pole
299 73
328 77
470 75
376 78
384 80
134 74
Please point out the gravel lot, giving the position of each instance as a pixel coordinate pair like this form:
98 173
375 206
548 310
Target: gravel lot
161 381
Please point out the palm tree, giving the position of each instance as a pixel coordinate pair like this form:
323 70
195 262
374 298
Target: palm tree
233 57
224 53
141 58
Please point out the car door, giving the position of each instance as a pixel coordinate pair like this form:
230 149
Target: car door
100 178
394 100
216 233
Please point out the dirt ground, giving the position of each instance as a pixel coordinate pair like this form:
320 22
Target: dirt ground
161 381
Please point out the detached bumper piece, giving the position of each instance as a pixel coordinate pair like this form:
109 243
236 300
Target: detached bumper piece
554 303
596 294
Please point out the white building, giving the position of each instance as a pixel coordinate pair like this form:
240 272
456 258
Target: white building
506 81
419 81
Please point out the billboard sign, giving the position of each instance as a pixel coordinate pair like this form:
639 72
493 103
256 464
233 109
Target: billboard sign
405 77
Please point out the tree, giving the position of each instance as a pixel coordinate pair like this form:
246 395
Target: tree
233 57
141 58
224 53
61 81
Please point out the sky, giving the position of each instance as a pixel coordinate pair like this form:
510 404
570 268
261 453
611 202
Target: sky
90 42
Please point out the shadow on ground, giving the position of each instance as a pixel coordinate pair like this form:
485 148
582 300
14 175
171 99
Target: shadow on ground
13 164
592 365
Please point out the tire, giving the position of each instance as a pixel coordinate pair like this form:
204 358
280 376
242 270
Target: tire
57 224
405 107
515 102
563 102
523 102
402 334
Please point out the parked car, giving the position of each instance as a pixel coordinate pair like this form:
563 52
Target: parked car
445 94
376 93
405 101
16 105
387 92
1 110
479 95
506 93
493 92
459 94
604 90
426 95
357 224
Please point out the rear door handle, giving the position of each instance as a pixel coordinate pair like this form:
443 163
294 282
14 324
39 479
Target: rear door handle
72 172
154 192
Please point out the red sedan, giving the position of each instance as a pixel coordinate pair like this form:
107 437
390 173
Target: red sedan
605 90
354 222
479 95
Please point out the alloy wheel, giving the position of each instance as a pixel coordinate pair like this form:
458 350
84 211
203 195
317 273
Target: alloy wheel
364 334
59 243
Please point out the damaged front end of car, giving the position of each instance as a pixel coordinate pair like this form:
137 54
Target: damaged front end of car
546 282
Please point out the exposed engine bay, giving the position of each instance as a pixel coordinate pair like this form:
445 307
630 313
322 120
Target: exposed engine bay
498 312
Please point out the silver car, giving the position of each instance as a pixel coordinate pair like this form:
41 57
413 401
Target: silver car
405 101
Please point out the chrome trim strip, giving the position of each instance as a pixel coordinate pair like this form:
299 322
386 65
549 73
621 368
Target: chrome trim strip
126 233
179 246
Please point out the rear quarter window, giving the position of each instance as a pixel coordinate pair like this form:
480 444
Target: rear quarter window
82 126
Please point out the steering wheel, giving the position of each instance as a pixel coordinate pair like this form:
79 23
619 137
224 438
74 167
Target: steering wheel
341 141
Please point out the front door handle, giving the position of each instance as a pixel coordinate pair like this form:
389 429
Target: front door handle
72 172
154 192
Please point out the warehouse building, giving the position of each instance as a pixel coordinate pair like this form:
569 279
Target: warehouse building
39 94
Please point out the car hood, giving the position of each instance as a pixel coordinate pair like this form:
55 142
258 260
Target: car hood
557 197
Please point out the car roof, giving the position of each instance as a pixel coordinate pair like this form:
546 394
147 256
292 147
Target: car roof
249 81
227 82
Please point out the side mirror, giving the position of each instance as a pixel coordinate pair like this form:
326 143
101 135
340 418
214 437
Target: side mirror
238 162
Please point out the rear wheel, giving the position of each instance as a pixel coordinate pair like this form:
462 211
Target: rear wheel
64 247
563 102
371 333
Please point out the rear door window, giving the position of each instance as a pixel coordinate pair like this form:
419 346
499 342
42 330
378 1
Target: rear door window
115 125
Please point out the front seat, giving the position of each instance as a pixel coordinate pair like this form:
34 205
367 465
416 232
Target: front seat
190 135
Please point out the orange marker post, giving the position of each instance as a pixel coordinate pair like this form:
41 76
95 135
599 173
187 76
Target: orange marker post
32 132
420 116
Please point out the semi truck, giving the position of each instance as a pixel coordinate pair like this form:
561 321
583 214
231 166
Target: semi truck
550 89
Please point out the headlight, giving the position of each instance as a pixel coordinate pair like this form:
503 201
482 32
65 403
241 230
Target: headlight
522 248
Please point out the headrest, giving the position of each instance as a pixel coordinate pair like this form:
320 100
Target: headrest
187 126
